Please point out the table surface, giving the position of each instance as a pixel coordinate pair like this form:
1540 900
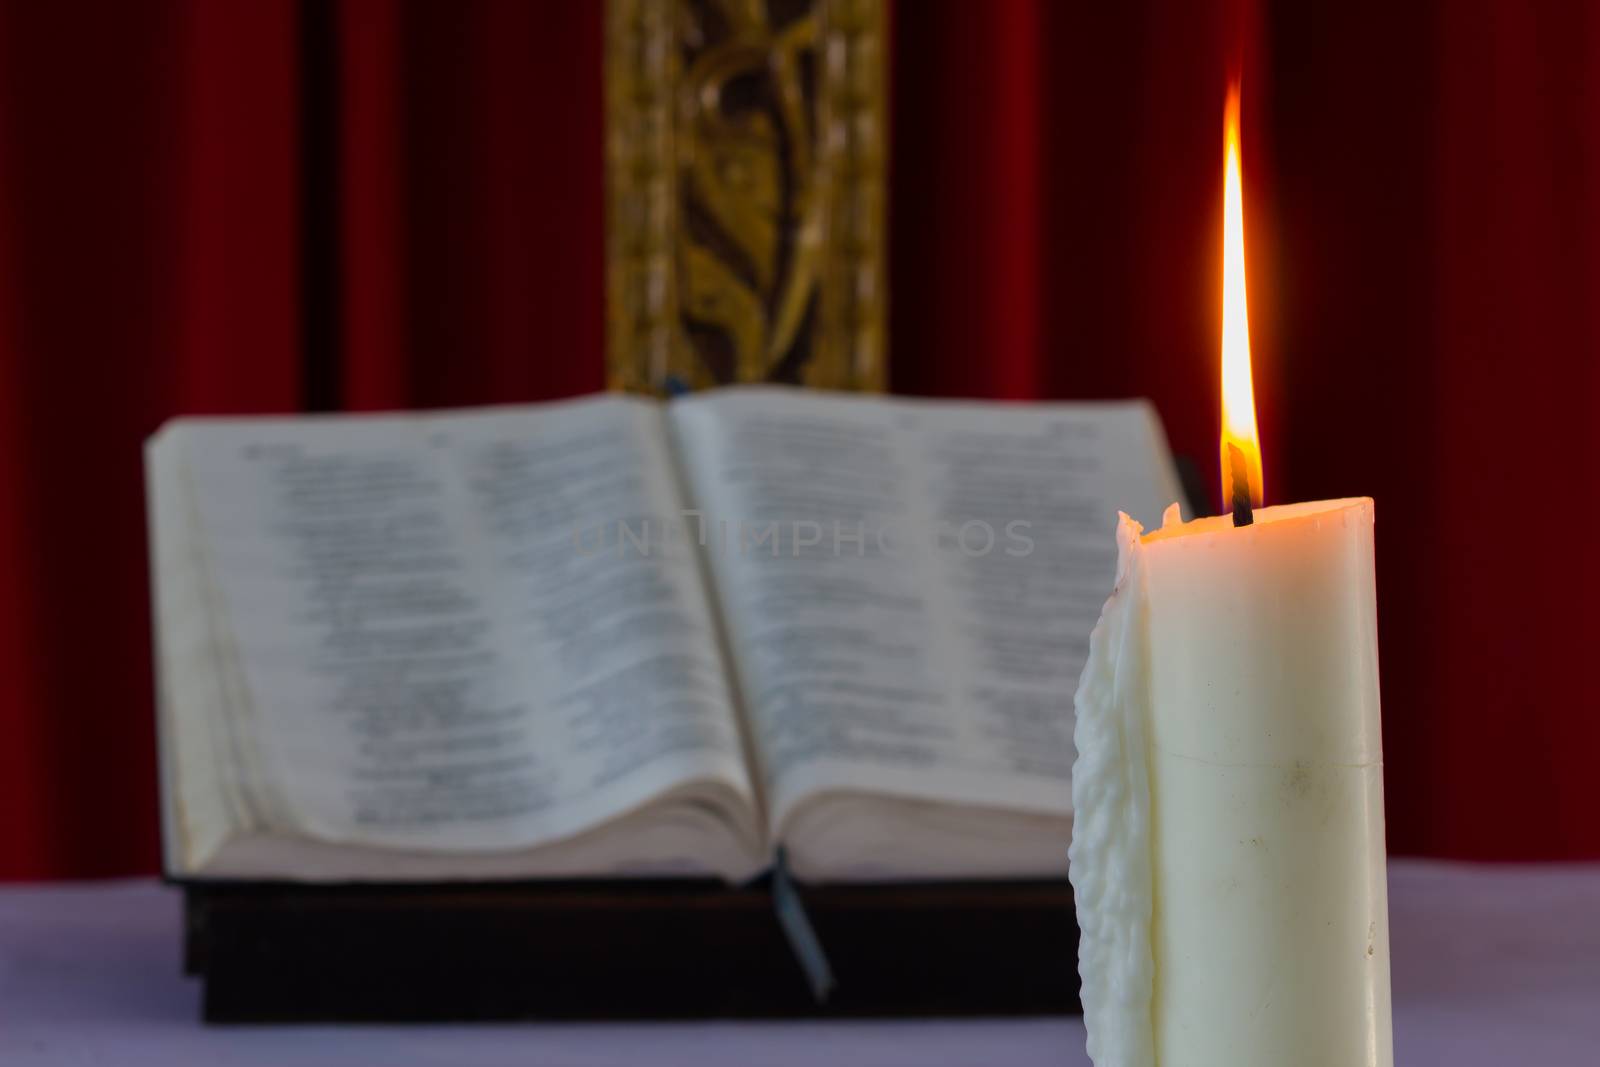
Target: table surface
1491 965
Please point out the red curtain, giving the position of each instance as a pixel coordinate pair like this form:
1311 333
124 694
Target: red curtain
372 203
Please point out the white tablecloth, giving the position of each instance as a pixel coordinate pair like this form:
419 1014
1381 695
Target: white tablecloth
1493 966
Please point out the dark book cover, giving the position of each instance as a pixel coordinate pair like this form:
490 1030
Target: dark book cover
282 952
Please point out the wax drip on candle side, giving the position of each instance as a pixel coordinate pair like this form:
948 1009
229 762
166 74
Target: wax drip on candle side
1109 859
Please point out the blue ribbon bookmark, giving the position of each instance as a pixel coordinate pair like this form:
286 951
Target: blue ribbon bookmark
797 928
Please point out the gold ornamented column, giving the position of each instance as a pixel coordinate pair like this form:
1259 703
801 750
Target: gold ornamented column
745 166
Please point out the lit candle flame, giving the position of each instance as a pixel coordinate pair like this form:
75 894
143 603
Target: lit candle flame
1239 437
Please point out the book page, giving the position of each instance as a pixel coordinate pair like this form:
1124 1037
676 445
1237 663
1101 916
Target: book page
580 515
910 585
197 764
429 660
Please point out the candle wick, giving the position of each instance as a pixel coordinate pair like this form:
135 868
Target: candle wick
1243 513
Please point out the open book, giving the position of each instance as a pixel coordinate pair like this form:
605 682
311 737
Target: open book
614 637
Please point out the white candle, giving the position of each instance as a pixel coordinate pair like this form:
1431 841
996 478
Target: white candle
1228 846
